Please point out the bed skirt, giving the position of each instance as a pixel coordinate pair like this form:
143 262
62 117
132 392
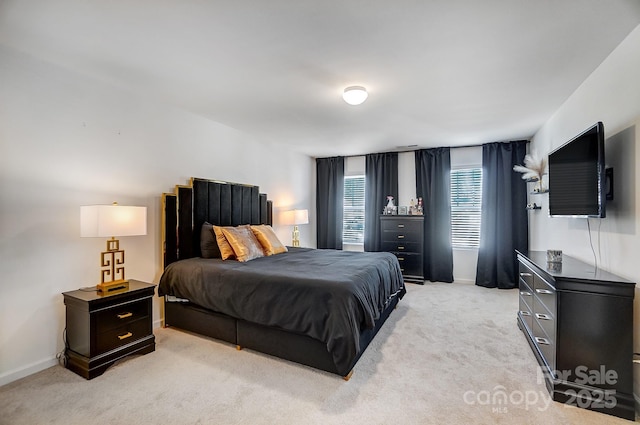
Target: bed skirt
273 341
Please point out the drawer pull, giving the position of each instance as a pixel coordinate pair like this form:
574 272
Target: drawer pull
125 315
401 226
525 293
125 336
400 259
400 236
544 291
526 274
543 341
543 316
400 248
401 269
525 313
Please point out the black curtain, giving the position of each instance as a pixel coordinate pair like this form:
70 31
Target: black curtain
329 201
381 179
504 227
433 181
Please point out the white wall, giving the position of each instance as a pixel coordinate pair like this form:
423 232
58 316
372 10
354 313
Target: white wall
611 95
66 141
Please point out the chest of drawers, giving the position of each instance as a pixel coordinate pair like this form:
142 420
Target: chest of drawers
101 329
404 237
578 321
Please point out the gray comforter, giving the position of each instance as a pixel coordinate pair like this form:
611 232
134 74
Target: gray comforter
328 295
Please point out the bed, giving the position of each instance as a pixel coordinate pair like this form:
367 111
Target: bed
320 308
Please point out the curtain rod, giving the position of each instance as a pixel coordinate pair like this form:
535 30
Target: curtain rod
413 150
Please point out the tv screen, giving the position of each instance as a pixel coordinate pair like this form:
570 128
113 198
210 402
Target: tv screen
576 176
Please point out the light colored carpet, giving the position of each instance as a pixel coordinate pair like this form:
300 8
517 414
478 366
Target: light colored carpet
442 356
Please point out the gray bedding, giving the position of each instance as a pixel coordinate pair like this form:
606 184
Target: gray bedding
328 295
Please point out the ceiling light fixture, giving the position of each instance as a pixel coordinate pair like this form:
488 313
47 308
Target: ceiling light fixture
355 95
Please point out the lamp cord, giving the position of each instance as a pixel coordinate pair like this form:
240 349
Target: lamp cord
595 259
62 355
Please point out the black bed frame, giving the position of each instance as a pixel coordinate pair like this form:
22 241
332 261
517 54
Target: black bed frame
232 204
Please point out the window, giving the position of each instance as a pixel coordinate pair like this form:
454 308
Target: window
353 221
466 204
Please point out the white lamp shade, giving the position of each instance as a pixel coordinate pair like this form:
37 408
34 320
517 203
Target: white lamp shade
355 95
295 217
112 220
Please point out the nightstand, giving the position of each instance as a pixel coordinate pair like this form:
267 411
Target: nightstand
102 329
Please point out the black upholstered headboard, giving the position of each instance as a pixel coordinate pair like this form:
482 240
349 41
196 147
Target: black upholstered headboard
220 203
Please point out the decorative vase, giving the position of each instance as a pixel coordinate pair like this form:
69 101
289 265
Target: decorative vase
390 207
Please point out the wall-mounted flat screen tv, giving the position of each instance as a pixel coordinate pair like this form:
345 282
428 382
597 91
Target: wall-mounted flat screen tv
577 176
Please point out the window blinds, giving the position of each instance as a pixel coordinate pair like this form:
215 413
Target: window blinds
353 220
466 205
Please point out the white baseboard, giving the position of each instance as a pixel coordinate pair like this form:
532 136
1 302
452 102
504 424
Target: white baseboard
16 374
465 281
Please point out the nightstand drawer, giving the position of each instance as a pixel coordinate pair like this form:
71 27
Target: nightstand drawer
123 335
121 315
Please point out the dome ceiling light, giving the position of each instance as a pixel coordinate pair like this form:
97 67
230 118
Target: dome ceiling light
355 95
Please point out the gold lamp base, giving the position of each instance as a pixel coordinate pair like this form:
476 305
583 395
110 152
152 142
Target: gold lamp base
295 237
113 265
113 287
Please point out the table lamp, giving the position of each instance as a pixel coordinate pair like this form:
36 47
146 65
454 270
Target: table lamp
295 217
111 221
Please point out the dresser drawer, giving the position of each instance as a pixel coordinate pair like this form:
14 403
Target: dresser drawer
526 315
545 294
122 335
401 246
401 237
546 322
410 264
526 274
525 305
403 225
545 344
118 316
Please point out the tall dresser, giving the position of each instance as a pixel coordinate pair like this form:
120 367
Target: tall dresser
578 320
403 235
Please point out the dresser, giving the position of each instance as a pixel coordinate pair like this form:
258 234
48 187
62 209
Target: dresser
578 321
403 235
102 329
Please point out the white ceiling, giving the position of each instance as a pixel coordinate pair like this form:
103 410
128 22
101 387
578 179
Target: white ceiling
439 72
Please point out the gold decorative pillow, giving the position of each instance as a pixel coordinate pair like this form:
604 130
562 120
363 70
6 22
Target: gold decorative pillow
226 252
268 239
244 243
